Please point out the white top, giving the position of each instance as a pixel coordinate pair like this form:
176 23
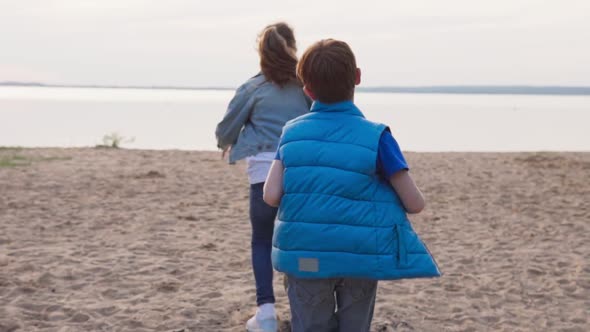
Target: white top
259 165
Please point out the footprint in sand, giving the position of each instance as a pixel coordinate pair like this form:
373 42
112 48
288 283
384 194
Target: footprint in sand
167 287
150 175
188 313
579 320
583 283
562 282
80 318
562 264
56 316
212 295
188 218
395 326
3 258
209 247
112 294
465 261
6 326
452 288
26 290
535 272
56 313
107 311
46 279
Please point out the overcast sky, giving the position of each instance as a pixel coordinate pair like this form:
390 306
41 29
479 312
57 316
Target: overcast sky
212 43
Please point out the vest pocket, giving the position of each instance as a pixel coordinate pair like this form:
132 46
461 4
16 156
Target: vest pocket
402 255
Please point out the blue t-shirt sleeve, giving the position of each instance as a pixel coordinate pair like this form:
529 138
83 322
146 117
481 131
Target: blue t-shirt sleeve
390 159
278 156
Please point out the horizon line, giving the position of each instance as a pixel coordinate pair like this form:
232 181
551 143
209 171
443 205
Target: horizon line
448 89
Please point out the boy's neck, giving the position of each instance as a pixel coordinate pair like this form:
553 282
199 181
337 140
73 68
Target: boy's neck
340 106
336 102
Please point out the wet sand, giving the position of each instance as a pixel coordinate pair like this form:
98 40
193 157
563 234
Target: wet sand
130 240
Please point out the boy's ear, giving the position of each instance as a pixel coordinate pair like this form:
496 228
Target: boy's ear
309 92
358 77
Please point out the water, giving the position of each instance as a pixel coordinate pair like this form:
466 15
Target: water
186 119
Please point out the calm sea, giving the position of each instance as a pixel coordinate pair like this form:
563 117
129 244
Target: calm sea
186 119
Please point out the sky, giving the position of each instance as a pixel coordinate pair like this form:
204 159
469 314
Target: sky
213 43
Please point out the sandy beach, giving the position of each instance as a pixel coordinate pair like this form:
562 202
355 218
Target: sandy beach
132 240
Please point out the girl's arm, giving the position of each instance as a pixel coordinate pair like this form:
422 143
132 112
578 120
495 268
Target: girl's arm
273 187
235 117
407 191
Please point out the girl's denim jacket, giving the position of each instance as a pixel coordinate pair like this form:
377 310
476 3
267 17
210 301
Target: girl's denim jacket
255 117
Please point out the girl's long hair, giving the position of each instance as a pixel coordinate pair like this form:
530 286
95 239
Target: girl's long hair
277 50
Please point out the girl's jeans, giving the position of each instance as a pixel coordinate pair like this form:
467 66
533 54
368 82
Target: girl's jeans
262 217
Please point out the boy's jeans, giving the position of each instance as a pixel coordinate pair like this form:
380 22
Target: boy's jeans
330 305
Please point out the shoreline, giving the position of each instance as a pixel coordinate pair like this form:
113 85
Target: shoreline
132 149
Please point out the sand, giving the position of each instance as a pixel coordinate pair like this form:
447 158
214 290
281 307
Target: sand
127 240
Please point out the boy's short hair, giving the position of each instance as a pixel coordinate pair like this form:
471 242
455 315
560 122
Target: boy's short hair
328 69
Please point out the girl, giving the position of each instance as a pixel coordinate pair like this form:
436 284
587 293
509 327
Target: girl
250 130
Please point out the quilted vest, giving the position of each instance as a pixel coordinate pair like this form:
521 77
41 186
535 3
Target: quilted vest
338 217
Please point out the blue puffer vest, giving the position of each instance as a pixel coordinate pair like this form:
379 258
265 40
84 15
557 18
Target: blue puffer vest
338 217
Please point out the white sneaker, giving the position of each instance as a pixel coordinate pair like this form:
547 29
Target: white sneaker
262 325
265 319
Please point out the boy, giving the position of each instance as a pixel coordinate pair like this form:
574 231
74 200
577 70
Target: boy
343 188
